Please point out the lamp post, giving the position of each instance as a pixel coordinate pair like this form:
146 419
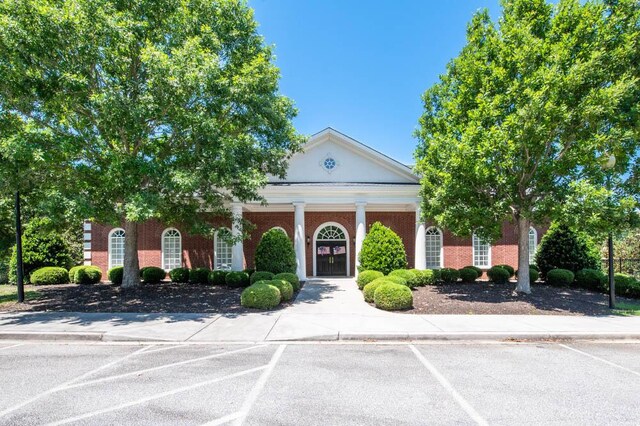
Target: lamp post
608 166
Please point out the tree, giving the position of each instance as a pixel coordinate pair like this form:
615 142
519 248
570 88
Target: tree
524 113
382 250
165 108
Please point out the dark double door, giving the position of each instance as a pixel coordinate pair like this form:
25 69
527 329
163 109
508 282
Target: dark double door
331 258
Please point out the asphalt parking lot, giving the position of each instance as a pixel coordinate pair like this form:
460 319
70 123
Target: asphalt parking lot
319 383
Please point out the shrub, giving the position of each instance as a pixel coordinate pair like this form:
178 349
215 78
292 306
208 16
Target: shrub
72 274
275 253
479 271
382 250
365 277
393 297
142 270
218 277
249 271
396 279
260 296
237 279
199 275
285 287
560 277
449 275
291 278
498 275
437 275
87 275
179 275
153 275
115 275
41 246
50 275
591 279
425 277
468 275
509 269
627 286
534 267
409 276
260 276
563 248
533 275
369 289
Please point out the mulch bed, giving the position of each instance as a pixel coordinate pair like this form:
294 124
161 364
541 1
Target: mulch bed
160 298
489 298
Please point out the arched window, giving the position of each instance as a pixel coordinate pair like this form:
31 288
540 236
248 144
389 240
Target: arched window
171 249
481 252
331 233
433 241
222 250
533 244
116 248
280 228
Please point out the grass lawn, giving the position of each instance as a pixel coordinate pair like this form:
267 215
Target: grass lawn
9 294
627 309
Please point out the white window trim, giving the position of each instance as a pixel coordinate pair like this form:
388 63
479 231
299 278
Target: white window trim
164 233
114 230
441 244
532 253
473 253
215 251
315 245
280 228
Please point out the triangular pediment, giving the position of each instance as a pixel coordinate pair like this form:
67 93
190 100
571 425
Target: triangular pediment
332 157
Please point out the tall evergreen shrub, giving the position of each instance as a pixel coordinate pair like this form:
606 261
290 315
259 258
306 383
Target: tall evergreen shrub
564 248
275 253
382 250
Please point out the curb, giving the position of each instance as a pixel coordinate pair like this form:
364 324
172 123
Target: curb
51 336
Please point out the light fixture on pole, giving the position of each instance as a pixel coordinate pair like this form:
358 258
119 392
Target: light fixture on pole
607 165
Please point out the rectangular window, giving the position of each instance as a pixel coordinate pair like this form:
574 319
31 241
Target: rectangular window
223 252
481 253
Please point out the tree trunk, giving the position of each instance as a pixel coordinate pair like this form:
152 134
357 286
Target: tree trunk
131 277
523 255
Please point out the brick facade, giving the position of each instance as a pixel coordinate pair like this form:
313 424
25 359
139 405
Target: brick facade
197 251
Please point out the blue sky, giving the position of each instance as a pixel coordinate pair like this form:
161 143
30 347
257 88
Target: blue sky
362 66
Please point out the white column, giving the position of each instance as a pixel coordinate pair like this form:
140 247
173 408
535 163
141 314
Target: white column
237 252
299 240
361 230
421 249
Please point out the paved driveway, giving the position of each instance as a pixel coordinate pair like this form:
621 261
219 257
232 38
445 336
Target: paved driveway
319 384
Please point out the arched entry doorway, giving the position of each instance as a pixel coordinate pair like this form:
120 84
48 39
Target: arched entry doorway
331 251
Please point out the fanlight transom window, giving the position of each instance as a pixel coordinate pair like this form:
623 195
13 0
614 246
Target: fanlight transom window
331 232
433 241
171 249
533 244
223 251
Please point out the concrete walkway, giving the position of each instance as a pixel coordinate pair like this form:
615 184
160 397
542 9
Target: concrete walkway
330 309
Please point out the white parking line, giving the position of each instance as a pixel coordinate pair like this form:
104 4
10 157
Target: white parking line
160 367
156 396
12 346
257 388
449 388
613 364
70 382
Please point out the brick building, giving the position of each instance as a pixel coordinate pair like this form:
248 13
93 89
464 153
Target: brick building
333 192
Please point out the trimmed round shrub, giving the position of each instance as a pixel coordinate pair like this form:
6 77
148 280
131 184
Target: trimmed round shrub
72 274
285 287
560 277
261 276
291 278
410 277
626 285
179 275
237 279
498 275
425 277
479 271
50 275
510 269
142 270
563 248
153 275
468 275
533 275
249 271
199 275
87 275
115 275
591 279
218 277
275 253
449 275
437 275
365 277
393 297
370 288
260 296
382 250
532 266
396 279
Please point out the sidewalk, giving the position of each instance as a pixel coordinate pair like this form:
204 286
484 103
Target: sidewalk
324 310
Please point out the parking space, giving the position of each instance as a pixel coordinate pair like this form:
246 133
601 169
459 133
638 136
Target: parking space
319 383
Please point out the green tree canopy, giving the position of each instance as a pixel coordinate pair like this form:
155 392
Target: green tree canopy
162 108
523 115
